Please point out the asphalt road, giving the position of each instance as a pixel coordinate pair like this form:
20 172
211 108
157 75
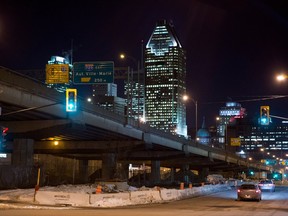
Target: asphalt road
218 204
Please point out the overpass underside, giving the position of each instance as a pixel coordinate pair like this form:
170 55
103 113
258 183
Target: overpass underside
36 118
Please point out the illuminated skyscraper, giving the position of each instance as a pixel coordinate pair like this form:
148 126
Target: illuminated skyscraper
61 60
165 65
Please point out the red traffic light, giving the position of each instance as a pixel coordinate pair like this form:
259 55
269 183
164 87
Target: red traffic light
4 130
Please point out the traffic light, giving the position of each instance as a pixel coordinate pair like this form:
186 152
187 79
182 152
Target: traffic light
264 115
71 100
4 131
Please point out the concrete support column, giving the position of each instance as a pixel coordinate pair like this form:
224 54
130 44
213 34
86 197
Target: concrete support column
203 173
23 150
186 173
124 171
83 171
109 166
155 172
172 174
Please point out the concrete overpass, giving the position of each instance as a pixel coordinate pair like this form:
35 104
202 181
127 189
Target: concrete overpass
36 117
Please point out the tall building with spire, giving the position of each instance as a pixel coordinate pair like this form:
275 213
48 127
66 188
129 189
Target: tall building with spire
165 86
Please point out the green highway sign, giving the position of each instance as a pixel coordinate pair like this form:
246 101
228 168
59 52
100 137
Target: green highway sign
101 72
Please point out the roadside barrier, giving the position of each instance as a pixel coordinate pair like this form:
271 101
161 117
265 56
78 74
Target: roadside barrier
124 198
61 198
97 199
169 194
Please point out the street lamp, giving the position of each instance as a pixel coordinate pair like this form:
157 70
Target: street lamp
137 63
89 100
281 77
185 98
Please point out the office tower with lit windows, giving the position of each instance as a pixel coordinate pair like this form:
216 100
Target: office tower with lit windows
267 143
227 116
105 96
165 86
134 92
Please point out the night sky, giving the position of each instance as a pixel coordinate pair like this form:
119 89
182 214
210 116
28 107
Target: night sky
234 47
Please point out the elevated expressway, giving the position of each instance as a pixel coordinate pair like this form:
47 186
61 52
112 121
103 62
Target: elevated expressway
32 111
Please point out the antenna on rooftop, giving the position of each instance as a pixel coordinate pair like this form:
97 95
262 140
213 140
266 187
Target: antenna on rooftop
71 54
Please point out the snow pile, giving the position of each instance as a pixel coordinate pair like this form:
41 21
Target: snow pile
215 179
80 189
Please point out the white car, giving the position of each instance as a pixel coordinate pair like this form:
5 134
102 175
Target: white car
267 185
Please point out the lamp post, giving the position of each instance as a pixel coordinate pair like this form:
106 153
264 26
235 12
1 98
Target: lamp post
130 89
262 152
185 98
226 135
196 116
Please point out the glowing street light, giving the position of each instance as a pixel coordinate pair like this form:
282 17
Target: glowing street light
185 97
281 77
122 56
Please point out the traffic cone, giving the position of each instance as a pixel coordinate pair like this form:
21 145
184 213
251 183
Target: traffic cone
98 189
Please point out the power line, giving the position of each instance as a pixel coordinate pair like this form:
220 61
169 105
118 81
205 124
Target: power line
261 98
279 117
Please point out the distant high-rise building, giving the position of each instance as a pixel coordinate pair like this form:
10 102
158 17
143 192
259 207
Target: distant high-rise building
109 89
105 96
61 60
227 115
134 91
165 86
267 141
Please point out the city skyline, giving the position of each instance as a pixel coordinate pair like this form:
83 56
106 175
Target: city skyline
233 48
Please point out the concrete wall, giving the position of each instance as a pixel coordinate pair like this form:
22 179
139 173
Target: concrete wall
12 176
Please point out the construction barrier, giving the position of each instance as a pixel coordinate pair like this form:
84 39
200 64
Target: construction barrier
97 199
169 194
61 198
182 194
124 198
145 196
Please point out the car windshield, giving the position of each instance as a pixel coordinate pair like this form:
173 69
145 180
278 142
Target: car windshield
248 187
266 182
